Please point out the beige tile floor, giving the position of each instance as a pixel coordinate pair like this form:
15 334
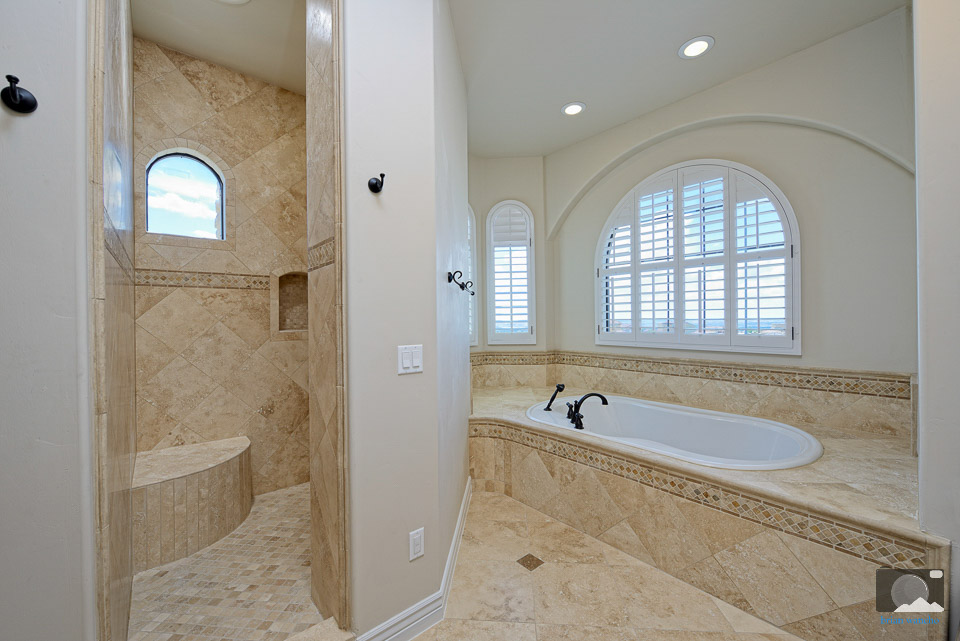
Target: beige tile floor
584 590
873 478
252 585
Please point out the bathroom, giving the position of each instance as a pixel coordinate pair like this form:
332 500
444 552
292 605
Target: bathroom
316 268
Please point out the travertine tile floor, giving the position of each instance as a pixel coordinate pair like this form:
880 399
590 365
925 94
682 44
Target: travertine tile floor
252 585
584 590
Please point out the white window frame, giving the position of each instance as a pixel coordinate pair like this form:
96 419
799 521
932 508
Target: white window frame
730 341
493 338
209 164
474 276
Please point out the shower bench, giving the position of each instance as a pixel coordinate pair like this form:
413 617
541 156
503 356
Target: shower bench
188 497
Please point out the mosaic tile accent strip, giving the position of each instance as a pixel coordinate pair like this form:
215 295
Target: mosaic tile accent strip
320 255
252 585
161 278
852 539
861 383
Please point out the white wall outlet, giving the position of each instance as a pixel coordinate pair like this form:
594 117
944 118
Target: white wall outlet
416 544
409 359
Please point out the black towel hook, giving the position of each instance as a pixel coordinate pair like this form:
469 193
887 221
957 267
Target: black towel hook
452 278
17 98
376 184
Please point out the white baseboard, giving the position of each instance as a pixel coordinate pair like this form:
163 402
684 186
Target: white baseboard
428 612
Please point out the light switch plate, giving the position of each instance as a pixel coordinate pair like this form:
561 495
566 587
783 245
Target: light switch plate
409 359
416 544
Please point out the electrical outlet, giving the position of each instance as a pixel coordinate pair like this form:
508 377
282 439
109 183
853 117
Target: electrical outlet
416 544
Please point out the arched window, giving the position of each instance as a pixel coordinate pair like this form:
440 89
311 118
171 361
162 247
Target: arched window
511 300
472 275
702 255
184 197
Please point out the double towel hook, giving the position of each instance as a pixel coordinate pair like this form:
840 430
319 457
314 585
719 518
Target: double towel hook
452 277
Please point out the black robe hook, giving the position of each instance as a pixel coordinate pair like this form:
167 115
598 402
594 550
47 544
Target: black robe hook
17 98
376 184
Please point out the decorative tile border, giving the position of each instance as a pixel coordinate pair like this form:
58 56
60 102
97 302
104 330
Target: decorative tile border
861 383
850 538
320 255
162 278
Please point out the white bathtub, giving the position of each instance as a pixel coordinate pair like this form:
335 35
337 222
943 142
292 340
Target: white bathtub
705 437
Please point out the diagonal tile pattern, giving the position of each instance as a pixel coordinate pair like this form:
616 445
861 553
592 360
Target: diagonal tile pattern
252 585
584 590
208 364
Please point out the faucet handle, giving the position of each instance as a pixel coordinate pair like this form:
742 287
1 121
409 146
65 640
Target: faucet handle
570 411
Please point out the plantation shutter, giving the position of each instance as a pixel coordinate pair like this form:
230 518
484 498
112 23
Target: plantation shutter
763 267
657 259
511 242
615 278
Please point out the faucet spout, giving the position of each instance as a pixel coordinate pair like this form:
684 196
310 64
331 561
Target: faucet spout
574 414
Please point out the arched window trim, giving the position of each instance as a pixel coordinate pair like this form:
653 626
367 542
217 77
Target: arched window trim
530 337
730 341
475 277
209 164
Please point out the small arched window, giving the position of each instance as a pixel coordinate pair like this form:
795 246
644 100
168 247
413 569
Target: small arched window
511 299
702 255
472 275
184 197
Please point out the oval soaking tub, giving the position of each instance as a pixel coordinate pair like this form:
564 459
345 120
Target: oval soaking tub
705 437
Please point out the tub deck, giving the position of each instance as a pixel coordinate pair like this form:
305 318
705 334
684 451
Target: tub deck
864 477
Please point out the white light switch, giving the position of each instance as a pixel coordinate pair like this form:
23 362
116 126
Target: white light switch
409 359
416 544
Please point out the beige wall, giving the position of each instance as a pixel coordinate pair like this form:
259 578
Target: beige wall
830 125
493 180
857 229
399 67
453 352
211 363
936 24
47 510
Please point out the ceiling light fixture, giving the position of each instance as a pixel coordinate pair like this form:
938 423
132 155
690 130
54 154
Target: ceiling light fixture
695 47
234 1
573 108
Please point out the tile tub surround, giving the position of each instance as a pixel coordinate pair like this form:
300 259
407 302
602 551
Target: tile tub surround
577 589
731 533
869 402
252 585
188 498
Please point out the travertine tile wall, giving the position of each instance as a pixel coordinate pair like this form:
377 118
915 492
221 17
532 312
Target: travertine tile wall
208 366
328 442
850 401
175 515
780 564
112 305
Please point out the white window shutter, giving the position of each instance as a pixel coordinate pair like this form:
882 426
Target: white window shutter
713 263
510 283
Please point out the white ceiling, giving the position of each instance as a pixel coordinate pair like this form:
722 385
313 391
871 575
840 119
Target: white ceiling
524 59
265 39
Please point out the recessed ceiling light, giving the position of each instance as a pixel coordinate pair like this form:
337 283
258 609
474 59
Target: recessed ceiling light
573 108
695 47
234 1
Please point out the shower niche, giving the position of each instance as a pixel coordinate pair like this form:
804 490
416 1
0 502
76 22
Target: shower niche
288 304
